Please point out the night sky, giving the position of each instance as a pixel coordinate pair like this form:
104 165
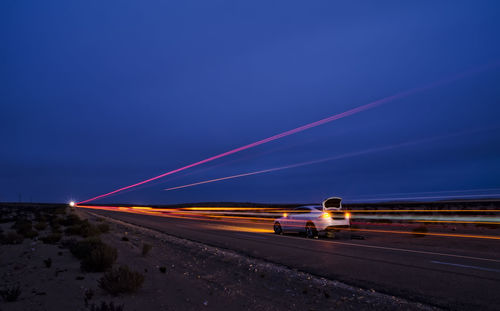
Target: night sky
97 95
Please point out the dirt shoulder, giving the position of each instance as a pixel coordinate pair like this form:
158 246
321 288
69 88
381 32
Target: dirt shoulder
200 276
178 275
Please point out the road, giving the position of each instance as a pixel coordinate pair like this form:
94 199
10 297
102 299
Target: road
447 272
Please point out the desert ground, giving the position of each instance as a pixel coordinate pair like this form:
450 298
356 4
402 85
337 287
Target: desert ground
56 258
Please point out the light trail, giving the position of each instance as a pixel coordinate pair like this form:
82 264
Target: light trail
338 157
459 222
263 141
241 223
432 192
308 126
487 196
457 235
423 210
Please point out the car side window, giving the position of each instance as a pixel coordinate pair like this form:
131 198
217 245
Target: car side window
302 210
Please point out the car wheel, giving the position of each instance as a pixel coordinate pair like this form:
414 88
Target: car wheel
311 232
277 228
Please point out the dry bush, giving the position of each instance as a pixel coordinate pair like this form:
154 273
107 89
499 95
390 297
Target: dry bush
106 307
59 211
88 229
30 234
71 220
25 228
83 229
48 262
101 258
22 225
146 248
12 237
41 225
95 256
121 280
55 223
87 296
11 293
68 243
52 238
81 249
103 228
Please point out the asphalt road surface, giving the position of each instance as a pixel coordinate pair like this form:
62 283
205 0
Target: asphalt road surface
447 272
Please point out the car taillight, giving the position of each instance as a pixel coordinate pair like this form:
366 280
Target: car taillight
347 215
326 215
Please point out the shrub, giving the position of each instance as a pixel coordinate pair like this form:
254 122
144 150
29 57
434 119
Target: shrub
71 220
121 280
89 229
88 294
12 238
24 228
101 258
103 228
73 230
82 249
11 293
42 225
55 223
163 269
68 243
48 262
84 229
146 248
30 234
22 225
52 238
106 307
419 231
41 217
59 211
95 255
124 238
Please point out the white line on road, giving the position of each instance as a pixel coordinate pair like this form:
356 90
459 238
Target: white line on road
464 266
252 236
403 250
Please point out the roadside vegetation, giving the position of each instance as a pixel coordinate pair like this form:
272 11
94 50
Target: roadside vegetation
65 229
121 280
10 294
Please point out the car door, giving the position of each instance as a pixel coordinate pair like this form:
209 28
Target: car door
299 218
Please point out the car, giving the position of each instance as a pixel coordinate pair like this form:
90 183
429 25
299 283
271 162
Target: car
314 220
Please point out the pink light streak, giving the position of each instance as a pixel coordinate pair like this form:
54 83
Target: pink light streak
302 128
351 154
263 141
337 157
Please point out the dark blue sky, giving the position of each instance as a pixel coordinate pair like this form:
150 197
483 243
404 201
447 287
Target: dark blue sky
97 95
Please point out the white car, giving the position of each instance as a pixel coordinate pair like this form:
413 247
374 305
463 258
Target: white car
314 219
